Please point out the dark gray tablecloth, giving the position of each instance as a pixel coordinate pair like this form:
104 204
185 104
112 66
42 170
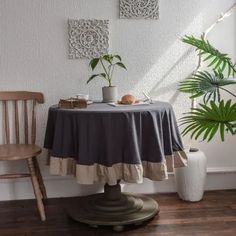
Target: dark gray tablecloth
101 141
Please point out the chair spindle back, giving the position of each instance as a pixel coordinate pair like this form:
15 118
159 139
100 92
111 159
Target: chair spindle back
17 97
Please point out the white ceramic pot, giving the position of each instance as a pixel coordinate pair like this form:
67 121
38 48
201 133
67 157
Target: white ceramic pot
109 94
190 180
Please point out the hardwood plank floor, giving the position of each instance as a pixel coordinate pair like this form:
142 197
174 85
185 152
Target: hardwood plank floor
214 215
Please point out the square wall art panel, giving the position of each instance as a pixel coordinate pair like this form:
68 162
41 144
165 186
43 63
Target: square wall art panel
139 9
88 38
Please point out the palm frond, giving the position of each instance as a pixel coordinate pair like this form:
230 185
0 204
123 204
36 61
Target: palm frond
219 61
202 83
206 121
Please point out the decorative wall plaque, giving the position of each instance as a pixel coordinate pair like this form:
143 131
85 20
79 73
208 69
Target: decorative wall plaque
88 38
139 9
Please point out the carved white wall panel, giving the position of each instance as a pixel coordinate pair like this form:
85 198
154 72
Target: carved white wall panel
88 38
139 9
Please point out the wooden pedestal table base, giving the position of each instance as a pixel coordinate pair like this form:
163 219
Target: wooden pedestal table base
113 208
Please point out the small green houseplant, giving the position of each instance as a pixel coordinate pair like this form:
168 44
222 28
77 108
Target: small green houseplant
214 114
108 63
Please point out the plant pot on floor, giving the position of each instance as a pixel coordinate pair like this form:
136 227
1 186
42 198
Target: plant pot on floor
109 94
190 180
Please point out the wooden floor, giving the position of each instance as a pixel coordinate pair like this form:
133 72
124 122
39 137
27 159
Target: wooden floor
215 215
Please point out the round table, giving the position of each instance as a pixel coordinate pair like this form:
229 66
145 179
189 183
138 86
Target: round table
104 143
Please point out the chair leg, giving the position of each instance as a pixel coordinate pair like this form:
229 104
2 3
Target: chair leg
40 178
36 188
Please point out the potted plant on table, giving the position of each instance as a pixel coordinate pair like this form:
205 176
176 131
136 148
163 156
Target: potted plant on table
213 115
108 63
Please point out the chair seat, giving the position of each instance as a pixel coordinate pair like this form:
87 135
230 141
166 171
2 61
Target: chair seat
11 152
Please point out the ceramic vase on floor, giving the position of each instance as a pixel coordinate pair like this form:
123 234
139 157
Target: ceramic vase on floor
190 180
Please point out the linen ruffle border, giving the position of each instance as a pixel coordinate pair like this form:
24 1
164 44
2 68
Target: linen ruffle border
131 173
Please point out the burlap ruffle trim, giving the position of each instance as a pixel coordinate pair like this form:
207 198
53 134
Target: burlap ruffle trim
131 173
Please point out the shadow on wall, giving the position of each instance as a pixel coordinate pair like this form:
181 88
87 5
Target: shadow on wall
176 64
158 89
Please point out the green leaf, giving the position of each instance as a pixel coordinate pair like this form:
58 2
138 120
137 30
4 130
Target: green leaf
230 128
103 75
224 65
213 132
222 131
91 78
210 54
121 65
202 83
207 120
208 130
229 71
93 63
96 75
118 57
108 58
213 62
208 57
107 65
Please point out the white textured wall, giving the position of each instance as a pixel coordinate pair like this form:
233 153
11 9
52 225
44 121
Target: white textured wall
33 56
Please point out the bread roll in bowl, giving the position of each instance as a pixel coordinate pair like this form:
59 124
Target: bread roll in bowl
128 99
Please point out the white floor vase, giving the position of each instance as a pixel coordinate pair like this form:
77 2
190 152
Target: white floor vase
190 180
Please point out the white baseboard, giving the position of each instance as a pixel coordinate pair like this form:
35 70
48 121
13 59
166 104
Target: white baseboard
221 178
220 170
217 178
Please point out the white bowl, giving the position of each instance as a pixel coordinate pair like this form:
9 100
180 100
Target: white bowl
82 96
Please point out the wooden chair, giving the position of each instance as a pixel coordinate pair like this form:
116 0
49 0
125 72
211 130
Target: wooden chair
25 149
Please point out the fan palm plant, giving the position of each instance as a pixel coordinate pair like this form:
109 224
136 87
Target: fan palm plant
214 114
